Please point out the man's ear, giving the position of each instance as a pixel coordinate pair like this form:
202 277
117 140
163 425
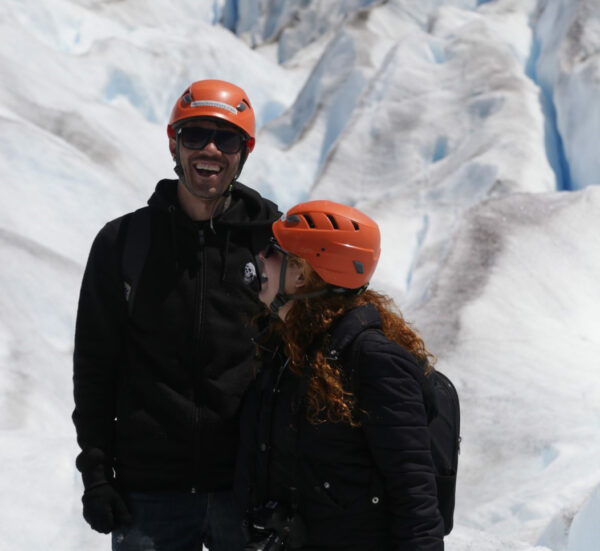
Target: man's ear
172 147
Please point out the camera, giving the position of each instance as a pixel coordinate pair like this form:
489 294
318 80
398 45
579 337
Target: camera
272 528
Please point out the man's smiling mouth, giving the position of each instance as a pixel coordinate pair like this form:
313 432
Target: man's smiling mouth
207 169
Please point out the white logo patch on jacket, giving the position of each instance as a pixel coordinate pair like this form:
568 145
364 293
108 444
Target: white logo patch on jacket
249 273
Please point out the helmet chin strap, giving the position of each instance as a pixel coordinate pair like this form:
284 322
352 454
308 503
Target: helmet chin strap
281 297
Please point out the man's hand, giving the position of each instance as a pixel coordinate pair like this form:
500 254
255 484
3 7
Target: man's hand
104 508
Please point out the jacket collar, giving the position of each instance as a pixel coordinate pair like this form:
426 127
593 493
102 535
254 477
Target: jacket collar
247 209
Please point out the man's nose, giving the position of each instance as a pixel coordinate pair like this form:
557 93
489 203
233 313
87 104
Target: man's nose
210 146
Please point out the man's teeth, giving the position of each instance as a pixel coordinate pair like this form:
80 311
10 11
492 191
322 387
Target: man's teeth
263 278
207 166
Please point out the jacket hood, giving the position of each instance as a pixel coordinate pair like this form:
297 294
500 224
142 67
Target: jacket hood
364 317
351 324
248 209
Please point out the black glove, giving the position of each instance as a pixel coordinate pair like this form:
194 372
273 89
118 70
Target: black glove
104 508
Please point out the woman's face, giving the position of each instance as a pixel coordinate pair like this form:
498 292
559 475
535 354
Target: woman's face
270 262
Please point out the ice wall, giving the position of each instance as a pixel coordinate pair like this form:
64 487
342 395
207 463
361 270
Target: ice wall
561 55
584 533
293 24
427 114
568 70
514 338
447 119
464 96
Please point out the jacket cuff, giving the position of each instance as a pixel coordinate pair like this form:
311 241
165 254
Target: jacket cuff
93 470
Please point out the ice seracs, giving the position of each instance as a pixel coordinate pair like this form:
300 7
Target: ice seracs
446 148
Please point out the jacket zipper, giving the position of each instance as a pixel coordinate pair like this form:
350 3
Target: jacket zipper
198 330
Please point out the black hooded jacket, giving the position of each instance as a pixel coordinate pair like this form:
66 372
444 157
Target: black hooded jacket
370 488
157 392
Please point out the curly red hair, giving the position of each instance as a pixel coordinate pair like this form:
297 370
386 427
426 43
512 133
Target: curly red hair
304 335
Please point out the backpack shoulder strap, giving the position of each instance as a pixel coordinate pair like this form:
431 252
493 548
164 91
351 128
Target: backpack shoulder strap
355 350
426 383
135 251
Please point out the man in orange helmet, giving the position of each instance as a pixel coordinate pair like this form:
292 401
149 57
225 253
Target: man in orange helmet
163 344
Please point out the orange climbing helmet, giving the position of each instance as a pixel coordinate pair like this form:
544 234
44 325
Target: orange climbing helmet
216 99
339 242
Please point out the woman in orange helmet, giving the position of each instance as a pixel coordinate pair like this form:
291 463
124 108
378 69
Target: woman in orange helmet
335 451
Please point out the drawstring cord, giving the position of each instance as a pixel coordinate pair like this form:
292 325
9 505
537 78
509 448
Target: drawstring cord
225 254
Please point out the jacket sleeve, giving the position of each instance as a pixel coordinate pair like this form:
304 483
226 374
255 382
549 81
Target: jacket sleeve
99 330
395 426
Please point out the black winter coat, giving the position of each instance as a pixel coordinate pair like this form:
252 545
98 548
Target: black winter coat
366 488
157 393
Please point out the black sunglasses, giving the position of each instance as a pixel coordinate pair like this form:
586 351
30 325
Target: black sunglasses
272 247
197 137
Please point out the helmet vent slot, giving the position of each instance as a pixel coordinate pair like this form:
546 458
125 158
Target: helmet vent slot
309 221
355 224
333 221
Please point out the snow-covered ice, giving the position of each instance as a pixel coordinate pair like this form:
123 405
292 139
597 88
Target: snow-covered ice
467 128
